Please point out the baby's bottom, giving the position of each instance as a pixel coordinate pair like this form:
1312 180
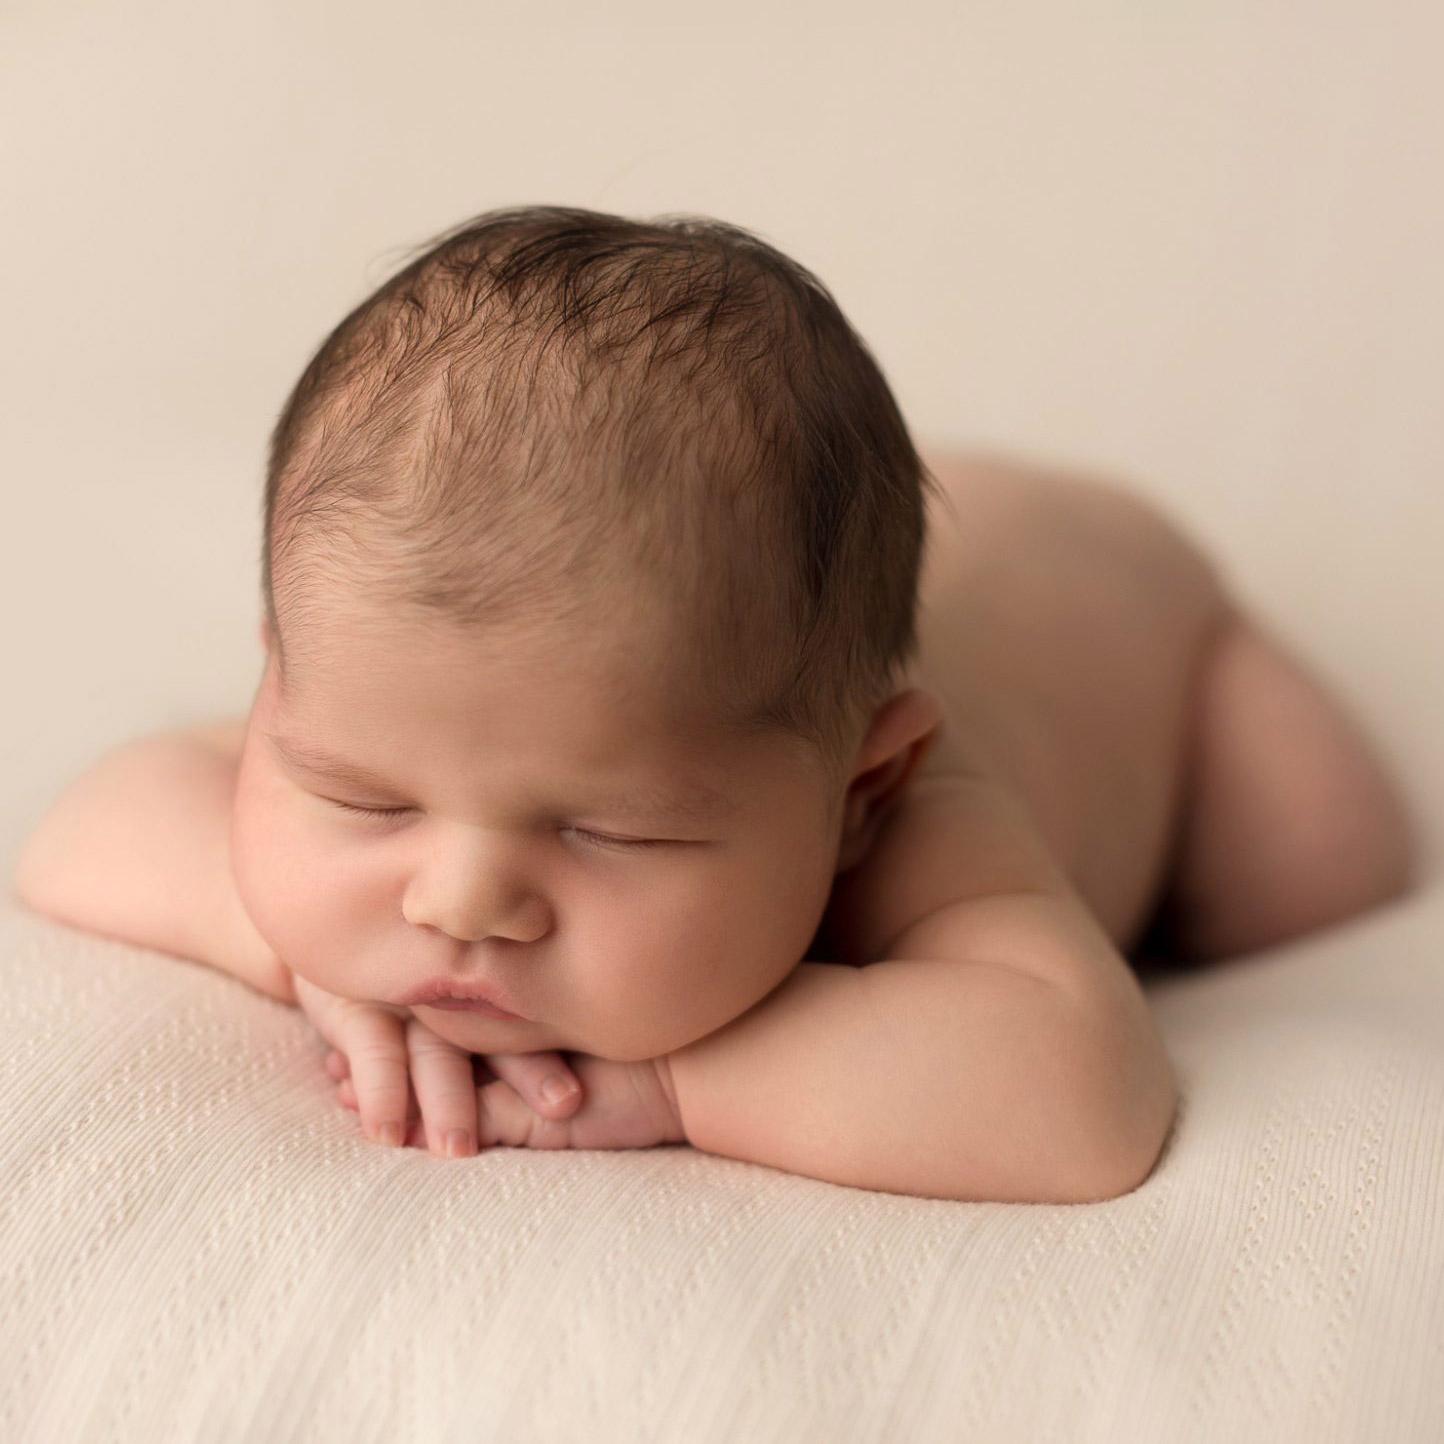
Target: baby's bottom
1289 821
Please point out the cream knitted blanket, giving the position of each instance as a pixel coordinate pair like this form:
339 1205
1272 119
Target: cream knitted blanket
197 1244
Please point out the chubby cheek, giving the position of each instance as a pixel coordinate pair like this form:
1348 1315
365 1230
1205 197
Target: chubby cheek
296 888
683 965
668 977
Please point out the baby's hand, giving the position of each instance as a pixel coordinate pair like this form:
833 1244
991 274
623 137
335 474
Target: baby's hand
387 1053
628 1105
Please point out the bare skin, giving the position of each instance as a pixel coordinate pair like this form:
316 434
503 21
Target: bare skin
1202 791
1066 623
1062 625
1174 761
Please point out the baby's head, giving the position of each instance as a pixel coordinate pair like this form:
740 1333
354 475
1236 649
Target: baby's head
581 531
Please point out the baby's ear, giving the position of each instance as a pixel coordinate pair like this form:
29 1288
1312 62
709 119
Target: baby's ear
266 633
901 733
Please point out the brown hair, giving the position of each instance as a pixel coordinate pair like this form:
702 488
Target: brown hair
551 403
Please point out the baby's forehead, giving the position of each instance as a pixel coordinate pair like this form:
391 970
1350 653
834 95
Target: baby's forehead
572 699
613 660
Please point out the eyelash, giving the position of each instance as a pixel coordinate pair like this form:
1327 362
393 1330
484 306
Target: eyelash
595 839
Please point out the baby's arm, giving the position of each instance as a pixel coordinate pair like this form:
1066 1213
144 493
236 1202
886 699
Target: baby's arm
1000 1048
138 848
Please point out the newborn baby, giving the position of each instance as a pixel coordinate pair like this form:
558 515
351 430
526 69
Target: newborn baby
641 713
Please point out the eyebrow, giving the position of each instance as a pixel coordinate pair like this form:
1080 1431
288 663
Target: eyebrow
695 803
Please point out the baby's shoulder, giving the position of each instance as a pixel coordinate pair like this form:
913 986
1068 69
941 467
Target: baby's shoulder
951 836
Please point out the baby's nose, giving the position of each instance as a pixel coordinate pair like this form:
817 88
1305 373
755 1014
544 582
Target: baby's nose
472 893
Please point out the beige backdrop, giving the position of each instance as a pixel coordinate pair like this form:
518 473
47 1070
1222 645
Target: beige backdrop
1197 245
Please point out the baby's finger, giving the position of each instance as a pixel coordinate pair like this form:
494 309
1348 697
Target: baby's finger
505 1118
375 1045
415 1127
445 1088
336 1065
544 1081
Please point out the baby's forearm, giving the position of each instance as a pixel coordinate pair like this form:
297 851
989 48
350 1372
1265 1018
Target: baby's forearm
938 1078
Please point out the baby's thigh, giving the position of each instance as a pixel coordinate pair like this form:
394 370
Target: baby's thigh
1290 821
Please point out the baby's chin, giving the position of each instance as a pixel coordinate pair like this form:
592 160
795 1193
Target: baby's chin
478 1033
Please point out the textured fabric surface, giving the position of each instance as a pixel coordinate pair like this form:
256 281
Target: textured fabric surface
198 1244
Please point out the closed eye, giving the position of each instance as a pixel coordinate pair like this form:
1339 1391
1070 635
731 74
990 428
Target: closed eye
600 839
367 811
594 839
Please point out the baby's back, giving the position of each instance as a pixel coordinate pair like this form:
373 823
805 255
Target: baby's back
1061 622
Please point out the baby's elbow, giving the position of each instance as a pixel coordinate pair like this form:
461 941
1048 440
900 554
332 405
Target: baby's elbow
1116 1173
1127 1149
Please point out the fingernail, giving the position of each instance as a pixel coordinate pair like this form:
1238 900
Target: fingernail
555 1088
391 1135
458 1143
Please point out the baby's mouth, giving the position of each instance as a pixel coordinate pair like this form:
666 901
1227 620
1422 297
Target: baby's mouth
453 995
